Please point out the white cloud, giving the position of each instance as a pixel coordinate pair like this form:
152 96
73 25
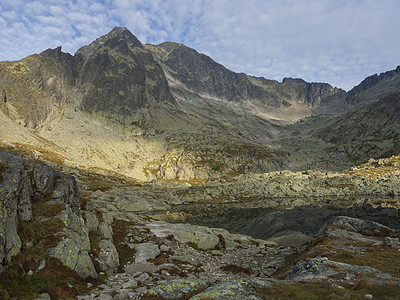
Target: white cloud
335 41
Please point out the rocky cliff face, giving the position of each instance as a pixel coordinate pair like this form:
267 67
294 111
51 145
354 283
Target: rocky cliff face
312 94
35 87
199 73
41 215
375 86
367 129
112 77
117 76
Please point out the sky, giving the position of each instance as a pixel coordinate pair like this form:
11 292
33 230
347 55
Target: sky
336 41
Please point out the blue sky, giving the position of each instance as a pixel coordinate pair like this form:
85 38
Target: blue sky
335 41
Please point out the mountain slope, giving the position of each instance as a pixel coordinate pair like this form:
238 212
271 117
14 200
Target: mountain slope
375 86
187 70
367 130
36 86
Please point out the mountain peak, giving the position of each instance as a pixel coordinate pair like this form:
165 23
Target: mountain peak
119 34
117 30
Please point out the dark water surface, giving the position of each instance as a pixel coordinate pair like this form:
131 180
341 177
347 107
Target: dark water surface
261 221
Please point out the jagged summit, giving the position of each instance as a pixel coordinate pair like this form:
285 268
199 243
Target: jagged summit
190 71
119 76
119 34
375 86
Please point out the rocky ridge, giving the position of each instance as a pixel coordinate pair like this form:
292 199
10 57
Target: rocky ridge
375 86
190 72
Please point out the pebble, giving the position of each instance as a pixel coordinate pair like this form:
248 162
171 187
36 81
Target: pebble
143 277
128 284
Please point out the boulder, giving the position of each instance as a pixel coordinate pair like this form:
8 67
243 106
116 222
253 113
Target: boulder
235 289
357 225
391 242
311 269
321 268
146 251
186 259
177 289
73 250
108 257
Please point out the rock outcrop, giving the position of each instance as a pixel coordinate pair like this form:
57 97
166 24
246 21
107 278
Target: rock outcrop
375 86
33 191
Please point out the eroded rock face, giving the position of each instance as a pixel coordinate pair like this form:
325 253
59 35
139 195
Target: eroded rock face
117 76
15 199
73 250
108 257
198 73
23 181
44 83
375 85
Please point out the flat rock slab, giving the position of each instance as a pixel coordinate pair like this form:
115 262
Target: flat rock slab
178 289
146 251
186 259
235 289
200 237
140 268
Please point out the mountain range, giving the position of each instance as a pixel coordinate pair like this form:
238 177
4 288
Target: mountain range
107 155
168 112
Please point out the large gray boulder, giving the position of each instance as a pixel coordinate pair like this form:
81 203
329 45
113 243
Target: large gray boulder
108 257
145 251
73 250
357 225
235 289
20 182
177 289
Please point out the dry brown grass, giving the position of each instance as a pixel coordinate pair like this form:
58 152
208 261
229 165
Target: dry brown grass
120 229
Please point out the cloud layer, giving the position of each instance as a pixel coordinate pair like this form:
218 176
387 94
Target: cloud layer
335 41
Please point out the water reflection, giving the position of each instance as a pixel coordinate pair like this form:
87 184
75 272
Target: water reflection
269 218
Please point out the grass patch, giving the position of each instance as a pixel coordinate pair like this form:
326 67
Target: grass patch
235 269
95 238
40 232
56 279
381 257
324 290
